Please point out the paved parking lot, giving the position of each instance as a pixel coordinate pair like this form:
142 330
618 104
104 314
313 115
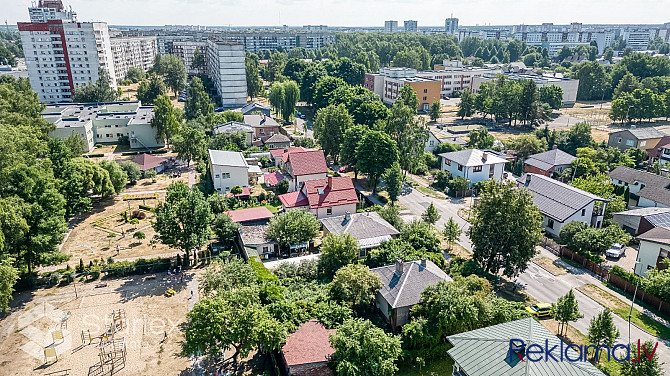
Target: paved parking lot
626 262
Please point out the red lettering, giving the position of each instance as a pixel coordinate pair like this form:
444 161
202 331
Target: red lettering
650 357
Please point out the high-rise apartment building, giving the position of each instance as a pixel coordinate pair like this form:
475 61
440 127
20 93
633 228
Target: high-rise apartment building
225 67
186 49
390 26
62 53
451 25
137 52
411 26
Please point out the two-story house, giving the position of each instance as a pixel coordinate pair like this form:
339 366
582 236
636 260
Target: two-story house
548 162
280 155
302 166
264 126
646 189
228 169
324 198
474 165
643 138
561 203
235 127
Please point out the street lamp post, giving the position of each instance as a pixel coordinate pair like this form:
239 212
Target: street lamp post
630 313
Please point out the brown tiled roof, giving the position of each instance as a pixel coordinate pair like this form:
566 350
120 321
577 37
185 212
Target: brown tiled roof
309 344
293 199
308 162
331 191
148 161
284 152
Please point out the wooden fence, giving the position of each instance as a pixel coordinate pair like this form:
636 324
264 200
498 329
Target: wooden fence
615 280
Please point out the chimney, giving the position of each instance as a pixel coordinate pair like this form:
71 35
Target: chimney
555 147
423 262
330 181
527 179
398 267
285 150
347 216
485 156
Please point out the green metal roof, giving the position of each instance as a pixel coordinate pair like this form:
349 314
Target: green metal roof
485 352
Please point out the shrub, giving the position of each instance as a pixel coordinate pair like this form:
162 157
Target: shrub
138 214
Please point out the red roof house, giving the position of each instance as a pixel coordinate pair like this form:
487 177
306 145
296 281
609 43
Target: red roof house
260 213
150 162
302 166
273 178
307 351
324 197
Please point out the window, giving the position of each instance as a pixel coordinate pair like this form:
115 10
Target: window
643 143
425 98
225 175
550 223
431 143
460 167
217 176
447 162
329 211
630 143
583 212
477 169
619 140
425 90
265 249
491 171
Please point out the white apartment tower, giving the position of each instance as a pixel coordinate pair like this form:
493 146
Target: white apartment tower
411 26
62 53
390 26
225 67
451 25
128 52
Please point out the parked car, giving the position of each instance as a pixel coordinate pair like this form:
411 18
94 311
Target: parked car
616 250
539 310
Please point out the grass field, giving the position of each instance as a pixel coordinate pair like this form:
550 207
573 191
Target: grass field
439 367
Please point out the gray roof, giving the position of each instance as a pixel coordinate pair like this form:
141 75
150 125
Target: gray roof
227 158
260 121
453 140
254 235
473 157
369 228
277 138
485 352
405 290
656 187
659 235
254 106
231 127
548 159
556 200
643 133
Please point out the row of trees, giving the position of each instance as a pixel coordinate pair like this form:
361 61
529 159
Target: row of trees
640 104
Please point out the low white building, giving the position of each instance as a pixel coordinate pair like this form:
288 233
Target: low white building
473 164
228 169
568 85
561 203
654 249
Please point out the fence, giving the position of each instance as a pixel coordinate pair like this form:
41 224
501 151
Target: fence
615 280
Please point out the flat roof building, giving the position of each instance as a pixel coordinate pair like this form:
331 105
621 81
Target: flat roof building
568 85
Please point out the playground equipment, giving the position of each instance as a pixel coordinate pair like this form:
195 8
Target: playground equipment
50 352
63 372
170 292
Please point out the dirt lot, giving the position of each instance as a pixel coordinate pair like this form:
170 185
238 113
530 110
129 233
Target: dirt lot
149 316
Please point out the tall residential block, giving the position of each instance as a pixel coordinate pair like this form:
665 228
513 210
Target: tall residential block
451 25
411 26
226 68
186 50
390 26
61 53
132 52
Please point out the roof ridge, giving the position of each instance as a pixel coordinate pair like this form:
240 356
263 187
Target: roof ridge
404 277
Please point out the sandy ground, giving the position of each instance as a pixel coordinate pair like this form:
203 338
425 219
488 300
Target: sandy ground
149 315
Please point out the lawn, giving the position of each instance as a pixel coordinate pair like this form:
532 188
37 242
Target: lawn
622 309
273 209
550 265
438 367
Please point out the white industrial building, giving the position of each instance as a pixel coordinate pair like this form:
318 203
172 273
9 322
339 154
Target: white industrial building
456 77
225 67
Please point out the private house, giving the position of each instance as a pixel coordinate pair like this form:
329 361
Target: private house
235 127
489 351
255 108
307 350
646 189
662 151
259 215
654 249
474 165
561 203
402 285
329 197
148 162
369 229
255 243
431 142
638 221
273 178
278 140
435 139
302 166
264 126
643 138
548 162
279 156
228 169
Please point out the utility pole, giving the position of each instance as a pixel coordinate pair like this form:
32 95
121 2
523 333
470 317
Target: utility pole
630 313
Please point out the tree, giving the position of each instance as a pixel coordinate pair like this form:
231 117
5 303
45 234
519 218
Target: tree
645 366
323 89
135 74
407 96
276 96
393 180
430 215
83 177
254 82
466 107
507 227
9 275
282 187
132 171
627 84
225 229
435 110
183 219
376 152
139 235
480 139
594 82
410 135
166 120
190 144
336 252
566 309
526 145
293 227
348 150
198 102
329 127
198 63
174 72
291 97
552 95
364 349
355 284
602 331
421 236
150 89
100 91
451 231
117 175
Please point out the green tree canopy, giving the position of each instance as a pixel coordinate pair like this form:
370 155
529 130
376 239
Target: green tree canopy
355 284
330 126
336 252
293 227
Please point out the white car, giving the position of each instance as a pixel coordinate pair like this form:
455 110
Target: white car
616 250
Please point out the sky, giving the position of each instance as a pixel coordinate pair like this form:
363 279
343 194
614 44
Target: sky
352 12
